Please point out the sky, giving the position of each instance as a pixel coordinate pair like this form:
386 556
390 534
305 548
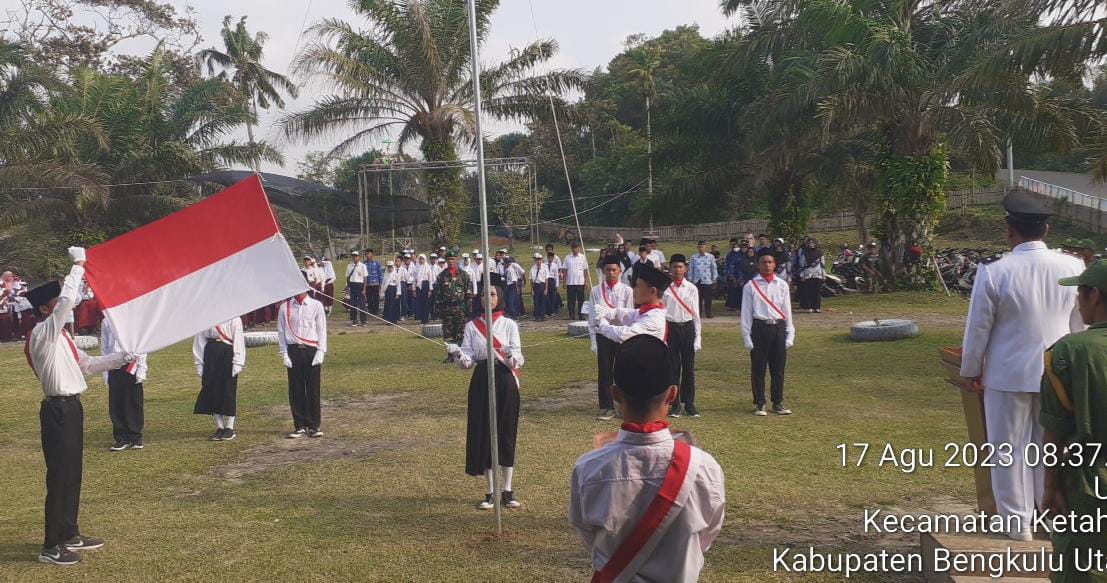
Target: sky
589 32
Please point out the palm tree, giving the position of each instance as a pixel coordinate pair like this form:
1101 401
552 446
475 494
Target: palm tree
646 60
408 75
243 55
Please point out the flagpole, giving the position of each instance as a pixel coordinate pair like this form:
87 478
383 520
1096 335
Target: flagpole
493 433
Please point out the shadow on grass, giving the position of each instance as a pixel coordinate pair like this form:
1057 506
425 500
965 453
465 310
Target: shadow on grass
19 552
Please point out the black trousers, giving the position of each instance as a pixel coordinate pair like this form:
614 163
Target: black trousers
303 387
605 360
357 300
576 300
63 434
373 298
707 294
811 294
682 358
768 350
125 405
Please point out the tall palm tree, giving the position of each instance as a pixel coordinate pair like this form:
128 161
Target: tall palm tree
408 75
240 64
646 60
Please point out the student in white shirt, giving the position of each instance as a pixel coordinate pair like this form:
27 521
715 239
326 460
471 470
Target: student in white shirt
613 294
356 273
574 271
553 295
328 283
407 288
473 352
220 355
631 531
60 366
539 275
391 292
768 332
125 387
620 324
684 327
421 276
302 341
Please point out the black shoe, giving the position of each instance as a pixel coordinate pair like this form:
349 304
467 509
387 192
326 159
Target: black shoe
300 432
83 543
674 411
779 409
315 432
59 555
136 443
228 434
487 504
691 411
218 435
120 445
509 501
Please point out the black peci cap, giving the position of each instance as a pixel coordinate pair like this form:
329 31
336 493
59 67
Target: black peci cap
641 368
610 260
41 295
1026 208
678 258
653 276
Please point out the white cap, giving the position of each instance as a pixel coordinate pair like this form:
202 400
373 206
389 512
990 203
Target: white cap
388 264
537 255
434 255
464 255
441 259
479 256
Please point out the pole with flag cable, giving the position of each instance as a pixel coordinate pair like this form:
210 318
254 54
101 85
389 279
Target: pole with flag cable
493 433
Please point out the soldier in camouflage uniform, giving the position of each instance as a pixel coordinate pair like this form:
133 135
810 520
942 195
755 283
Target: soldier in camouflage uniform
453 293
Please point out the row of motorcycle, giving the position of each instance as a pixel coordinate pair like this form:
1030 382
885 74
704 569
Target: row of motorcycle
957 267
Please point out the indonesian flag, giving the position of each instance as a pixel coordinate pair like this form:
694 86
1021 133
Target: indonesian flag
201 266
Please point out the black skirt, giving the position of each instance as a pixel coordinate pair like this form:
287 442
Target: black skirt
218 385
478 446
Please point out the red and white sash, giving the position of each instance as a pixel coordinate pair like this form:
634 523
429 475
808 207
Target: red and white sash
223 335
604 293
757 288
676 296
68 339
482 329
292 329
636 548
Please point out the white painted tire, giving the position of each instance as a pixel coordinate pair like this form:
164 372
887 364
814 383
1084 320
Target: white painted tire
432 330
86 342
883 330
258 339
578 329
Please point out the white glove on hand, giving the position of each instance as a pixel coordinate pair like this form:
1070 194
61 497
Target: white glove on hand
200 370
318 360
235 370
749 345
77 254
286 360
788 345
453 349
595 349
600 311
696 347
514 361
129 357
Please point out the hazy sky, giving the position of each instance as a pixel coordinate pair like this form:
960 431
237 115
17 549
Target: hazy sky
590 33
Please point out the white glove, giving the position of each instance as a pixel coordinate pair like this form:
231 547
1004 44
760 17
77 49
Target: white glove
749 345
129 357
140 378
514 361
696 346
600 311
200 370
286 360
318 360
788 345
595 349
235 370
77 254
453 349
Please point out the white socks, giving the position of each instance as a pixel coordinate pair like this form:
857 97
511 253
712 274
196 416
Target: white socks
228 420
218 421
508 473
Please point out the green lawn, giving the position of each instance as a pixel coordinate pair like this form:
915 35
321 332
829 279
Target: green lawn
384 496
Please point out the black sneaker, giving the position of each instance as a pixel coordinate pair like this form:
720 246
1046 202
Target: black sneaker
759 410
59 555
136 443
218 435
300 432
228 434
487 504
674 411
316 432
120 445
691 411
508 500
780 409
83 543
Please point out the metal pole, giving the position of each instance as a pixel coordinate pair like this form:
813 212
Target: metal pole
493 431
1010 165
361 208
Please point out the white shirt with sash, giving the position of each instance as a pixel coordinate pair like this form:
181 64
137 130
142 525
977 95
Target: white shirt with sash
623 323
474 345
613 486
682 304
302 323
230 332
767 300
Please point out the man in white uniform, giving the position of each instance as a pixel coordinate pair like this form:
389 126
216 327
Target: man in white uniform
573 271
646 503
1016 312
302 341
613 294
620 324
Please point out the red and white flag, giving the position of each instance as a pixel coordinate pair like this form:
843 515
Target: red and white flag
201 266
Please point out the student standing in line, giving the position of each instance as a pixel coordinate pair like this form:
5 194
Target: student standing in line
125 401
220 355
613 294
684 331
768 332
302 338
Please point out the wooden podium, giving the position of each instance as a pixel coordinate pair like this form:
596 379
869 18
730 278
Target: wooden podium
973 405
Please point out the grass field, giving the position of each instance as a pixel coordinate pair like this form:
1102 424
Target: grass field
384 496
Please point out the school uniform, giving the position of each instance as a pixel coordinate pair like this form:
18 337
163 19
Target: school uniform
508 359
622 323
125 391
619 296
60 366
302 337
219 354
356 274
539 275
553 295
768 333
512 274
574 267
407 287
684 327
393 302
373 273
421 278
613 487
328 285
